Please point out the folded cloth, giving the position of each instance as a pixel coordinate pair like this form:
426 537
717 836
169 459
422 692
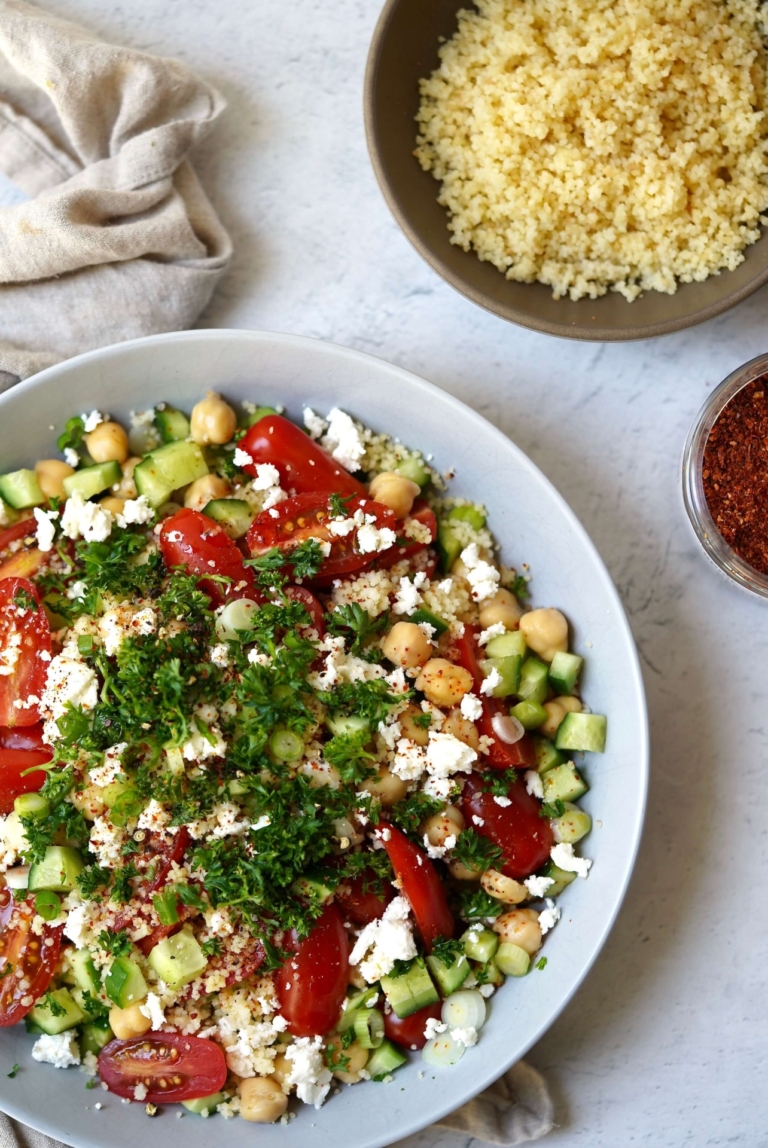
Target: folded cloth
514 1110
119 239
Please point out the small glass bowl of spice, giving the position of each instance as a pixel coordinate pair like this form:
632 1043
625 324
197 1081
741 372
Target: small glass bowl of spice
725 476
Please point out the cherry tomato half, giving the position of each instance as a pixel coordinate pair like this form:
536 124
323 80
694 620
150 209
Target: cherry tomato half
502 755
523 836
202 547
20 561
171 1066
312 983
303 465
421 885
363 899
32 958
24 636
409 1030
24 737
311 605
14 763
406 548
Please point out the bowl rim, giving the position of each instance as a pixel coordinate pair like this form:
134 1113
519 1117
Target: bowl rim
512 314
375 1138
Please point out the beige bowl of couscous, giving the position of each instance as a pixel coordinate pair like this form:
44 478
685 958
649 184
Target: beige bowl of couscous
517 129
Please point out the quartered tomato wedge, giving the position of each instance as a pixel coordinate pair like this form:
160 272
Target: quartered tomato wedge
363 899
172 1067
308 516
409 1030
304 466
501 755
421 886
312 983
19 557
31 957
523 836
24 636
23 737
202 547
406 547
311 605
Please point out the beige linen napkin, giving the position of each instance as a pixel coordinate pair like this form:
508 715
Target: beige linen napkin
119 239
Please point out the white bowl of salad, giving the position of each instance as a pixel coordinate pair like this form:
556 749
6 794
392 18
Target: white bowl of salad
323 746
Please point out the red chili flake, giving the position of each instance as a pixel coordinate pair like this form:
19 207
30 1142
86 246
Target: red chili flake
735 473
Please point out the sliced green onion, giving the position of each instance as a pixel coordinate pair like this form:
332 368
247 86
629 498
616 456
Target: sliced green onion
48 905
464 1009
236 617
369 1027
442 1051
32 805
286 745
85 644
480 944
512 960
166 906
126 808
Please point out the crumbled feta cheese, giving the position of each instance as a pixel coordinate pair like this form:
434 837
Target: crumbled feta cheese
136 512
69 680
482 577
243 459
343 440
71 457
341 527
548 917
308 1071
76 590
447 755
564 857
220 656
314 423
408 599
125 621
436 852
267 475
372 540
199 747
537 886
85 519
61 1050
494 631
471 707
466 1036
410 760
106 773
534 784
106 841
78 925
434 1027
46 528
140 1091
91 421
503 801
153 1011
154 816
384 941
491 682
142 418
390 733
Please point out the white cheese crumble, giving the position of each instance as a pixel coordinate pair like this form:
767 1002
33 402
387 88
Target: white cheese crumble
564 857
548 917
46 528
153 1011
69 679
494 631
437 852
314 423
71 457
61 1050
503 801
136 512
308 1071
482 577
384 941
106 773
471 707
466 1036
447 755
125 621
91 421
537 886
219 655
491 682
241 457
86 520
408 599
106 841
267 475
533 784
372 540
434 1027
343 440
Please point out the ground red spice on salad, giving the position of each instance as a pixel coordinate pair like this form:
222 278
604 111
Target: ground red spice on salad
735 473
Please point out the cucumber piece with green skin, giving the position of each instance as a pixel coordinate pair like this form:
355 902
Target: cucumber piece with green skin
534 681
313 890
572 825
150 483
204 1103
256 416
68 1013
470 514
58 870
449 546
449 977
564 672
564 783
547 757
412 990
234 514
509 672
512 960
168 468
7 514
178 960
509 645
124 984
340 724
20 489
414 468
84 971
530 714
561 877
93 1037
585 732
422 615
384 1060
172 424
480 944
93 480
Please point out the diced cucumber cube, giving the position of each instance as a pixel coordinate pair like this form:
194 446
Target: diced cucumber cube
489 973
414 468
124 984
178 960
167 469
172 424
7 514
509 645
563 783
151 483
480 944
58 870
93 480
410 991
534 681
470 514
384 1060
250 420
585 732
93 1037
234 514
449 977
530 714
20 489
204 1103
84 971
449 546
547 757
431 619
561 877
564 672
512 960
66 1012
572 825
508 670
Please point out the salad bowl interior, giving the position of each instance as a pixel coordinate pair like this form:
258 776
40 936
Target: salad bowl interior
534 526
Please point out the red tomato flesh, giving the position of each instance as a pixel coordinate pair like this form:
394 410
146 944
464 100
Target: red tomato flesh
502 755
311 605
303 465
202 547
422 513
26 737
15 762
524 838
32 958
312 983
19 557
421 885
409 1030
171 1066
24 636
363 899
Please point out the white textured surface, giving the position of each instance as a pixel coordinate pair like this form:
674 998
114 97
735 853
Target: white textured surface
665 1044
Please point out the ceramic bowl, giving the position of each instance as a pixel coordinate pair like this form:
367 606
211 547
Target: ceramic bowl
403 50
537 527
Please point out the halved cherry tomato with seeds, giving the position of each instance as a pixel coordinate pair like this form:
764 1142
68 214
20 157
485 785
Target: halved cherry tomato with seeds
190 539
25 653
408 1031
303 465
19 556
363 898
524 837
501 755
421 885
27 960
171 1067
312 983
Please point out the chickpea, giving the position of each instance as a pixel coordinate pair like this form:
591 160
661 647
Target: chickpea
462 728
410 728
556 711
395 492
50 476
520 927
262 1100
503 888
213 420
113 504
440 826
204 490
321 773
461 871
358 1058
386 786
407 645
130 1021
502 607
108 442
281 1068
126 487
444 683
546 632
